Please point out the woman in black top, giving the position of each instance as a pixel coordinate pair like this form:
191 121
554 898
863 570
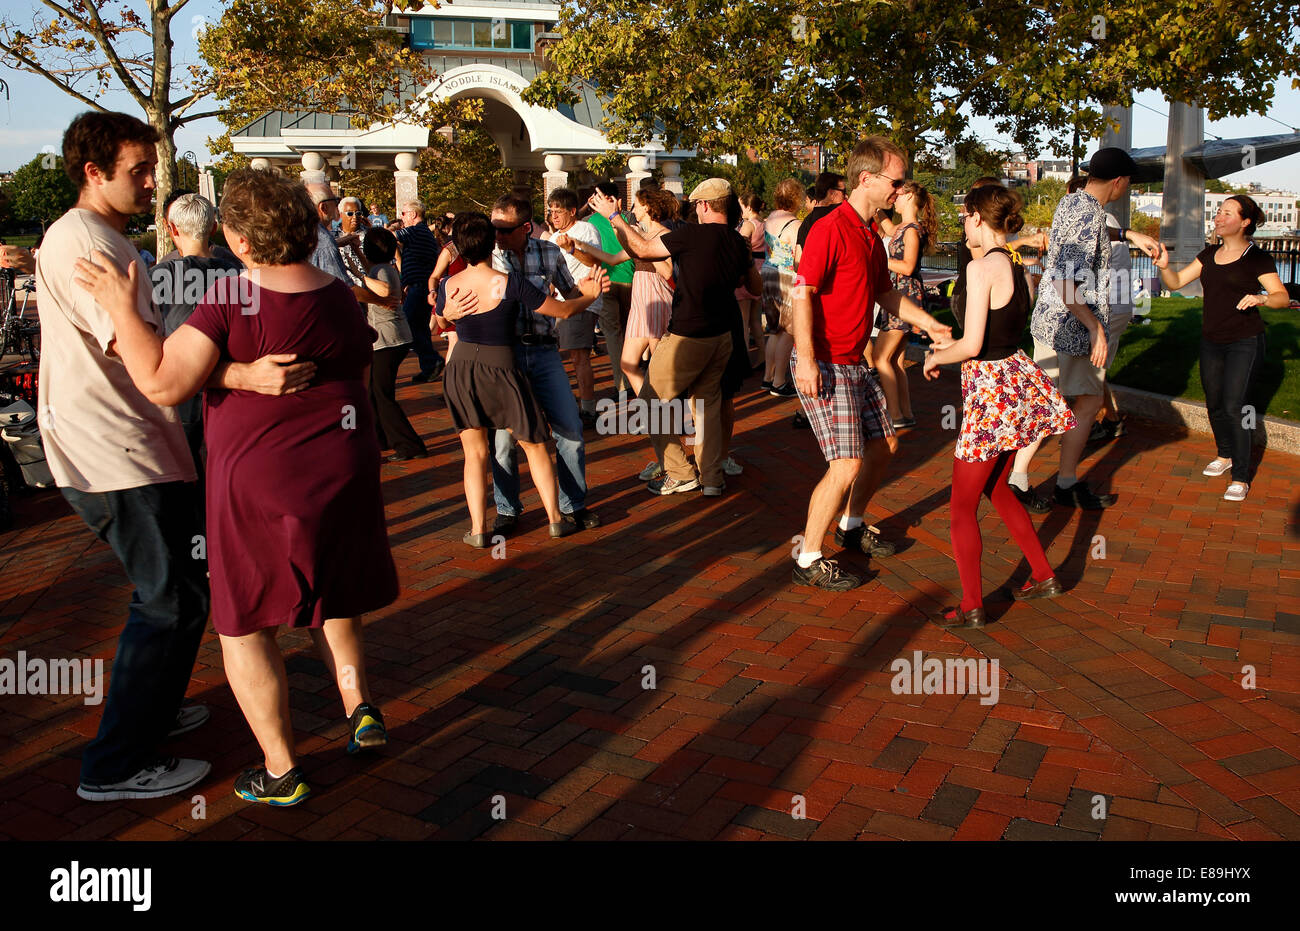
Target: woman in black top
1007 402
484 388
1232 274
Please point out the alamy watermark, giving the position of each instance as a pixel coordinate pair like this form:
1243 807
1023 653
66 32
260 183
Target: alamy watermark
640 417
30 675
77 883
175 283
950 676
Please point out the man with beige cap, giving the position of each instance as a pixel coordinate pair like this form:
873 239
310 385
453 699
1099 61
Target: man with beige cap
711 260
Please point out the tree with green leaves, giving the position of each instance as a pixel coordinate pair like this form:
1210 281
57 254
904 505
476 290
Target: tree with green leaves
40 191
262 55
780 72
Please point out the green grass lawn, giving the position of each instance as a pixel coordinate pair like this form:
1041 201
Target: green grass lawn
24 239
1164 355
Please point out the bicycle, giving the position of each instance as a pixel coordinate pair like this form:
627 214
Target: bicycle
19 335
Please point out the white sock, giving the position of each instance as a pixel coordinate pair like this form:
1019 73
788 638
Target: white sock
1067 481
1020 480
271 775
850 523
807 559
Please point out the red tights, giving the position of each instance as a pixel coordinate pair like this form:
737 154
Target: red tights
969 481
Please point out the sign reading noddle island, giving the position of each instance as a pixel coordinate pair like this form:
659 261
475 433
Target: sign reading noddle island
479 79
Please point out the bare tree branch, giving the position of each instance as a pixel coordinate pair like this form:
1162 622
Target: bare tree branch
96 28
200 116
34 67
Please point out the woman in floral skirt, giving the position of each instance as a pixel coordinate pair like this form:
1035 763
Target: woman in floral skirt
1007 401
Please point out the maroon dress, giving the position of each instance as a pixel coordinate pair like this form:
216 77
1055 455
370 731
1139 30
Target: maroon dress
296 530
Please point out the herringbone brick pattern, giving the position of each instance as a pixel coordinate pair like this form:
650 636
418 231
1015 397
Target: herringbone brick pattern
517 685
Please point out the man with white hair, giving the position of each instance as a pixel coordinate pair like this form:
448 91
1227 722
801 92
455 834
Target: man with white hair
179 285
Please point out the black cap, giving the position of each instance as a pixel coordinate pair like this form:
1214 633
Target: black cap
1111 163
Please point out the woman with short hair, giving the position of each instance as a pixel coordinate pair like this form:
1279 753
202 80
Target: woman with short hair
1233 274
296 535
392 343
484 386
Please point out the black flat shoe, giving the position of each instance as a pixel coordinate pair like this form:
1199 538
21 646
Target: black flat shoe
956 617
505 524
583 518
800 421
1081 496
1032 502
403 457
1048 588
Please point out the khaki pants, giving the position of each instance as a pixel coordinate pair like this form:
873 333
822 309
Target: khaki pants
685 367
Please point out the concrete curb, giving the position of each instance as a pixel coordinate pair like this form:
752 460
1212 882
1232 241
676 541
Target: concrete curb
1273 432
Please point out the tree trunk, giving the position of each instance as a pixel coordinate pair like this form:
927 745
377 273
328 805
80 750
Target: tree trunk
166 181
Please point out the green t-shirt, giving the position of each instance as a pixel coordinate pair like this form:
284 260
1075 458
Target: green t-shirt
622 272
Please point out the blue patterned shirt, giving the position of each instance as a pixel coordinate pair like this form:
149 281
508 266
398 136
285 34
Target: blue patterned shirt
545 268
1078 256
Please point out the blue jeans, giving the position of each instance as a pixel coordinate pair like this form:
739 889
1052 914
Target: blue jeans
1227 370
550 383
415 307
152 530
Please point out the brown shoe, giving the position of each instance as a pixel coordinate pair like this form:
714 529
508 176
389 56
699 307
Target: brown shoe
956 617
1048 588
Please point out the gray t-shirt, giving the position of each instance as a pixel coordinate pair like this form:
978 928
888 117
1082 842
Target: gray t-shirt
389 323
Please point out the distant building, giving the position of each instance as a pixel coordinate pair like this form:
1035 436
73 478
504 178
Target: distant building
1281 213
1057 169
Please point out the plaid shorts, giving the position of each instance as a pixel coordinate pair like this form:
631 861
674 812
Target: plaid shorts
849 411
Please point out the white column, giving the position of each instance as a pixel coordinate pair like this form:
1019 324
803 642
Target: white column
555 176
672 177
313 168
261 164
637 164
1183 229
405 179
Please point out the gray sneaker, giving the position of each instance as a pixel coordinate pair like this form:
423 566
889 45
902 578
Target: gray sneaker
671 486
164 776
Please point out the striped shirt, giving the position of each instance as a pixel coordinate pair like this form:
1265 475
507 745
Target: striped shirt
420 250
326 256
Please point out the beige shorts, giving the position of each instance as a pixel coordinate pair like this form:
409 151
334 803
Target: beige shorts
1073 375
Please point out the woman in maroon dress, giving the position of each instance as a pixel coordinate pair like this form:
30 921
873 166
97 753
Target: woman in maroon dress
296 534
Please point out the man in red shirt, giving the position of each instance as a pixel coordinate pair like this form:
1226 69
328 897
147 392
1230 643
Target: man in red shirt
842 275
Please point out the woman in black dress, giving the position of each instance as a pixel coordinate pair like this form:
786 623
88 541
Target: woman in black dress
484 388
1233 275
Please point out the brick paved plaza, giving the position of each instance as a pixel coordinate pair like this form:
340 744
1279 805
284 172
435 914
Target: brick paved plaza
523 677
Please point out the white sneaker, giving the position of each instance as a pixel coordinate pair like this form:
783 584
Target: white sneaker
1236 492
165 776
731 466
651 472
1217 468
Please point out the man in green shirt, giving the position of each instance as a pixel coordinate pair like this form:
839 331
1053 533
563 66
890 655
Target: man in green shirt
617 302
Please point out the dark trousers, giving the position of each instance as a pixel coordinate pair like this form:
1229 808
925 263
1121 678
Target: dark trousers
395 430
1227 370
153 530
417 312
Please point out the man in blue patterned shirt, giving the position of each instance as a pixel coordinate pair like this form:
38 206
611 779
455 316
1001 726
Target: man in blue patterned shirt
1070 319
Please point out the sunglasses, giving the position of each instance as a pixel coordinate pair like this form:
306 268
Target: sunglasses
507 230
350 213
895 183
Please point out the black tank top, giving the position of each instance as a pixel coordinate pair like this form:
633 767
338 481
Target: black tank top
1006 324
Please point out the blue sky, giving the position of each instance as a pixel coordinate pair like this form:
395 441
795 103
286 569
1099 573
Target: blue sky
36 114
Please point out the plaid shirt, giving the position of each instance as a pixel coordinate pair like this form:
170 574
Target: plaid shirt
545 268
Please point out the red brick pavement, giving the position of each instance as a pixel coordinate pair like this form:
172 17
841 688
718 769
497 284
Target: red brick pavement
520 680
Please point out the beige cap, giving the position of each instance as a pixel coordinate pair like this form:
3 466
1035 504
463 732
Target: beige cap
711 189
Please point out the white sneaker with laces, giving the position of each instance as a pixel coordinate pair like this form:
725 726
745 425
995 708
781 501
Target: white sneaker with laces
165 776
1217 468
1236 492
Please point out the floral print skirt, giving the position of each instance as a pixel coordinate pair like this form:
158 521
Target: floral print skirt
1007 404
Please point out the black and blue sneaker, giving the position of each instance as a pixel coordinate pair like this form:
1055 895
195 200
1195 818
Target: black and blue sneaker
366 726
256 785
